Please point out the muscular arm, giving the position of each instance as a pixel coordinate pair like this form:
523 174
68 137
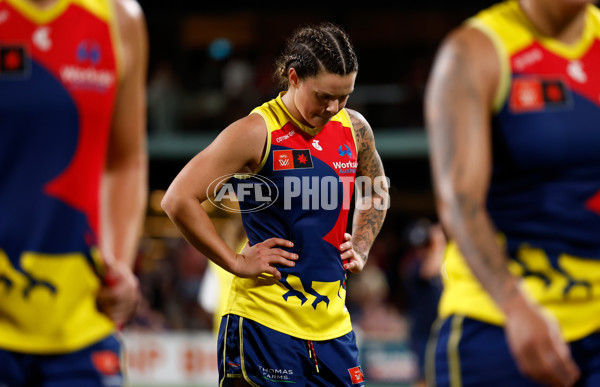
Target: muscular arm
458 104
124 185
237 149
458 114
373 197
125 180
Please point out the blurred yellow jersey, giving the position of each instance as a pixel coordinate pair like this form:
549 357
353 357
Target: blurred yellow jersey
57 94
544 195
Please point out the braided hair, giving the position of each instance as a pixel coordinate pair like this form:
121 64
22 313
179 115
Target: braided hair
313 49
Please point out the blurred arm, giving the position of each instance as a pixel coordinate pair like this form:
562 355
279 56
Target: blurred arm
125 180
459 103
124 185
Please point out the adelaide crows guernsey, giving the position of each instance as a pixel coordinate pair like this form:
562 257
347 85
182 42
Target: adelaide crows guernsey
307 180
58 79
544 196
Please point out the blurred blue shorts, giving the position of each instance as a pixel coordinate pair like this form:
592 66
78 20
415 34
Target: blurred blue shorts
467 352
98 365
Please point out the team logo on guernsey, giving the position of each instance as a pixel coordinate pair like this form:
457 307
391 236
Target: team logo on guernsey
292 159
535 94
14 62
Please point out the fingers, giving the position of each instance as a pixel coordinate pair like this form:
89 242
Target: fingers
563 367
349 265
272 242
346 246
348 254
279 256
559 362
119 295
543 355
285 254
548 367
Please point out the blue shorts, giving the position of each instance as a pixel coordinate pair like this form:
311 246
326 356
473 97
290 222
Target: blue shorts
466 352
98 365
265 357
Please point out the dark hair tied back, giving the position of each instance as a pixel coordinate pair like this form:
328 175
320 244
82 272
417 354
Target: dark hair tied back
310 50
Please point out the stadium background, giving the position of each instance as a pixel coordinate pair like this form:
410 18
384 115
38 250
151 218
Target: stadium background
210 64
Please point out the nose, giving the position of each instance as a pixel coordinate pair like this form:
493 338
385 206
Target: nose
333 106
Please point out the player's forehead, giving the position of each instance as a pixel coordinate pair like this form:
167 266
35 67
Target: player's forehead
333 84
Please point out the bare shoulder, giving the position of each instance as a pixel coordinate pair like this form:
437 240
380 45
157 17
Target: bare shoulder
362 129
129 12
469 55
248 130
244 140
132 33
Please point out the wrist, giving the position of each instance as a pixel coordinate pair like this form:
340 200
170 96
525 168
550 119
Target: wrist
515 300
234 264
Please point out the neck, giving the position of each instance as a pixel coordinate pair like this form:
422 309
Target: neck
288 101
42 3
555 19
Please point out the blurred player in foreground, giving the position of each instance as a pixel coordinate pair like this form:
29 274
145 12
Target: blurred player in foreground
512 112
72 187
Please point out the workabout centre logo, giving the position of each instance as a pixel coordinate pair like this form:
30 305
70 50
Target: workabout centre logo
251 193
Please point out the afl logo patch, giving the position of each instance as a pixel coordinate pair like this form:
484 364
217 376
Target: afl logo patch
535 94
292 159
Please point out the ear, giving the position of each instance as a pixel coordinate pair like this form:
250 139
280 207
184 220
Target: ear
293 77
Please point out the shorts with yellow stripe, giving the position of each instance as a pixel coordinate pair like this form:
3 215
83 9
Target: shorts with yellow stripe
266 357
466 352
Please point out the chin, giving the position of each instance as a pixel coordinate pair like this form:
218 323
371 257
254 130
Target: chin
319 122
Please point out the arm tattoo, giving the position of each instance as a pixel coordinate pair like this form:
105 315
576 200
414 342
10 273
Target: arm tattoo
372 205
453 116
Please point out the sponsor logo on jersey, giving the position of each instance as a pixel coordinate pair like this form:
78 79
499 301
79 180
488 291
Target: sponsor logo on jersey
527 58
276 374
84 74
292 159
41 38
344 150
347 167
285 136
576 72
87 78
89 50
316 145
3 16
